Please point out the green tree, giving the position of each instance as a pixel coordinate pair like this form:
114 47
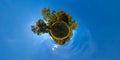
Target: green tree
40 27
49 16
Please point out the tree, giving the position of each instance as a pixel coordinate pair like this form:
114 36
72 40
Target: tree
58 24
40 27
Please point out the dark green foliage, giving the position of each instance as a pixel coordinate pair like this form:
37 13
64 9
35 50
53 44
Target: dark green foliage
60 30
40 27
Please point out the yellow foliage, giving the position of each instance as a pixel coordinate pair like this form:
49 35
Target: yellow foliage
62 16
74 25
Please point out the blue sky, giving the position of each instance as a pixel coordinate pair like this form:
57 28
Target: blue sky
97 37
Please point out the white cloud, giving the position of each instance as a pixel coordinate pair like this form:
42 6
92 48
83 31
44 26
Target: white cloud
55 46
